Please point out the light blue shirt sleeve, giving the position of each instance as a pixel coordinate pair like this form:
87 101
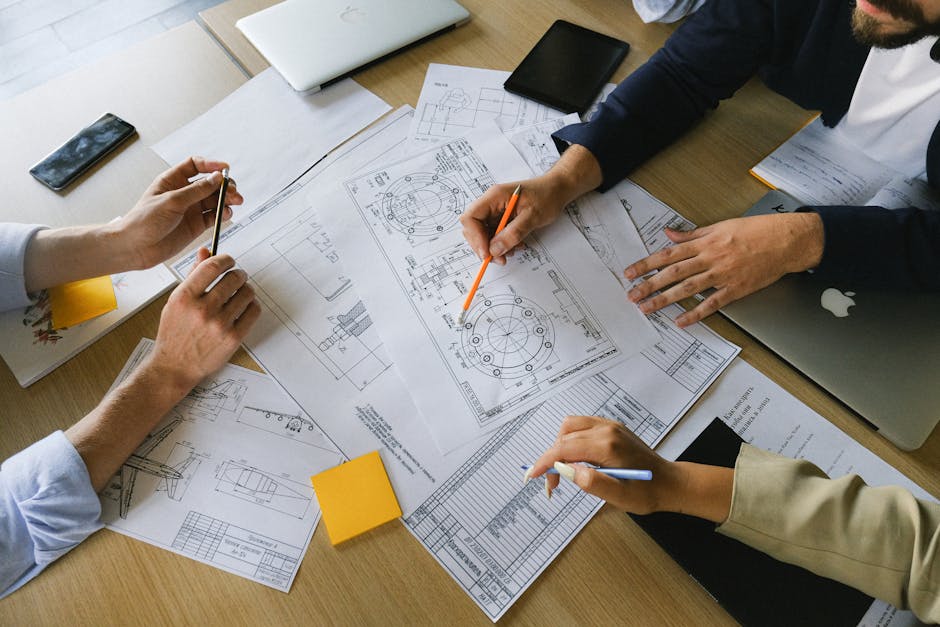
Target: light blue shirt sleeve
14 239
47 507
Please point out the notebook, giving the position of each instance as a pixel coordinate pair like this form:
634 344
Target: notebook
315 42
876 351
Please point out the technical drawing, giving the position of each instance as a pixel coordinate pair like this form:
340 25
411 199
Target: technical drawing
595 233
296 274
458 110
423 204
237 549
174 473
297 427
267 490
304 247
507 336
208 400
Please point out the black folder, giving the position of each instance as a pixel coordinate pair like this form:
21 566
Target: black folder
753 587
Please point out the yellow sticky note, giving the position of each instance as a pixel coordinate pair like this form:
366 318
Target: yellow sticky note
76 302
355 497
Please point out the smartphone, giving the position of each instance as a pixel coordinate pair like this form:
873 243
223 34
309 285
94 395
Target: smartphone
82 151
567 67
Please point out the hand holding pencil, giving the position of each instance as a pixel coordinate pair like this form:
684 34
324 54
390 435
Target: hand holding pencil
486 261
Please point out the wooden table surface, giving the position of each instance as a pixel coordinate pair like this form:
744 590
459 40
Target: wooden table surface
385 576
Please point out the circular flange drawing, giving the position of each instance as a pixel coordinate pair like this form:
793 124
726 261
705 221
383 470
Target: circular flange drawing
422 204
507 336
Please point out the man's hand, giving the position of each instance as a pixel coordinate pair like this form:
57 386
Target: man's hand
199 329
694 489
173 212
736 257
541 201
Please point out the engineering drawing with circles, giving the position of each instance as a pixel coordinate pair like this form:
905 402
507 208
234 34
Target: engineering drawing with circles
507 336
423 204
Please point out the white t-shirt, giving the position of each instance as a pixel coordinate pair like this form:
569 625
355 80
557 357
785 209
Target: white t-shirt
895 107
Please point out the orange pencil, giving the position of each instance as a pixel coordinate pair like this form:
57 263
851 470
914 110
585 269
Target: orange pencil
476 282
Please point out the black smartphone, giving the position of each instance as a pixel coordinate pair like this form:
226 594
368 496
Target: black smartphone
567 67
82 151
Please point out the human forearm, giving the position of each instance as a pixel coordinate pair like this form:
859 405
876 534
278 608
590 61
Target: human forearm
57 256
574 174
696 490
108 435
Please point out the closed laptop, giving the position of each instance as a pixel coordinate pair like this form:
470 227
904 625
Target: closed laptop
878 351
315 42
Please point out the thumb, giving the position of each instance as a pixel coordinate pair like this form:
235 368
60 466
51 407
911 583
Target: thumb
197 190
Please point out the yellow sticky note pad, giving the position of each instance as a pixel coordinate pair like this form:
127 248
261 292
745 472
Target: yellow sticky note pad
76 302
355 497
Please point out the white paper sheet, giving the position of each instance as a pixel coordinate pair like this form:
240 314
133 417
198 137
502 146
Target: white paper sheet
767 416
225 478
270 134
547 318
32 348
456 99
288 343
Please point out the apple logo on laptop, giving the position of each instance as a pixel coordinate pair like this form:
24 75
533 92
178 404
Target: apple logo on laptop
352 15
835 301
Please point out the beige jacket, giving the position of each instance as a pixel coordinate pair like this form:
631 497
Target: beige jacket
882 541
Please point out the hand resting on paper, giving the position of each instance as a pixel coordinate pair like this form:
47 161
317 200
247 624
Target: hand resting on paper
694 489
736 257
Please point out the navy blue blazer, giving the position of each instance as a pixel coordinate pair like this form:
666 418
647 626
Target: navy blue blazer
804 50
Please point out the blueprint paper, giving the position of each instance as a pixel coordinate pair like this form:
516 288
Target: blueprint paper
289 342
547 318
315 335
32 347
535 142
270 134
224 478
691 361
767 416
456 99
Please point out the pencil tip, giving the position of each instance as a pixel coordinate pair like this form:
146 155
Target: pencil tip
518 189
461 316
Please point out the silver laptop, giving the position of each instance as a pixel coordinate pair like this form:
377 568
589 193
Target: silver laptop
876 351
315 42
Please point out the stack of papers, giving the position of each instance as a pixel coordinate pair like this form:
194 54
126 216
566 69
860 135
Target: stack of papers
360 269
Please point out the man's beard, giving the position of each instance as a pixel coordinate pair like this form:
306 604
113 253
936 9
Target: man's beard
867 29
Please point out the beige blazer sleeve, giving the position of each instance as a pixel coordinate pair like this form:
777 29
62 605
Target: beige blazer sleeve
882 541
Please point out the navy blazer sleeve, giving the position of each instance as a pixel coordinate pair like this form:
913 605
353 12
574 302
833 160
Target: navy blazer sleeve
706 60
804 50
878 247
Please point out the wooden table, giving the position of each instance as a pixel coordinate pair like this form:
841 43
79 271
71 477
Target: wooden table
384 577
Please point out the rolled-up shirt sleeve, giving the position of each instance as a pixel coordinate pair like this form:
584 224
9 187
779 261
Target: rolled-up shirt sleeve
880 540
14 240
47 507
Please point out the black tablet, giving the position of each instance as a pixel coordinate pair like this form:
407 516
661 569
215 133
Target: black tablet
567 67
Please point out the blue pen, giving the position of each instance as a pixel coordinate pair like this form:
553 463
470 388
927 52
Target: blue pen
617 473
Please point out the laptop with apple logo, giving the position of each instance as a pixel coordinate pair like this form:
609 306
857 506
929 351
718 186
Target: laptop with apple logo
877 351
313 43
